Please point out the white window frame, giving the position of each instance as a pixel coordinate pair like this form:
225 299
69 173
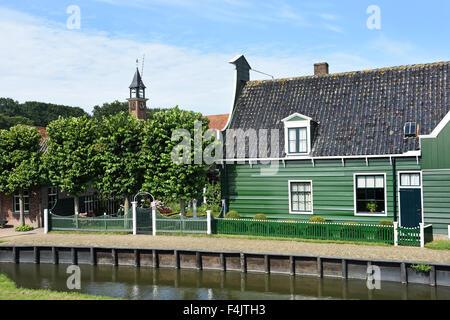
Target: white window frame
16 195
399 186
294 125
355 207
290 198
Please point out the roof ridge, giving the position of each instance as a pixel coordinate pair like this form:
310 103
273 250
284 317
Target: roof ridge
411 66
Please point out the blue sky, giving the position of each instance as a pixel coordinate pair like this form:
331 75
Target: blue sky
188 43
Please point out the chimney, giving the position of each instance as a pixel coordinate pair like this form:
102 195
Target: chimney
321 69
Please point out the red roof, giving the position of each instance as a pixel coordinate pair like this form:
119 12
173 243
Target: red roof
218 121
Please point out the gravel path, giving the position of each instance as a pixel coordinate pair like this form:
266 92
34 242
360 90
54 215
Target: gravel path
232 244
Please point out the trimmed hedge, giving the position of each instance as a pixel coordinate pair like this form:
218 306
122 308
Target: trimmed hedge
260 216
232 215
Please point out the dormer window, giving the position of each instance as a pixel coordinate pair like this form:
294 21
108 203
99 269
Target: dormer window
410 130
297 133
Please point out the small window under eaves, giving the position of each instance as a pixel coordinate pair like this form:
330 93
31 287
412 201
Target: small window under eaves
410 130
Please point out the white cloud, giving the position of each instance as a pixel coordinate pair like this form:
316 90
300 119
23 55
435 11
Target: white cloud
46 62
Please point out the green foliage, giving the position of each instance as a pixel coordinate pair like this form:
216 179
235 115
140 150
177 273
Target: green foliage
23 228
317 219
213 194
386 223
20 160
421 267
70 160
7 122
260 216
165 178
232 215
438 245
119 155
371 206
34 113
116 107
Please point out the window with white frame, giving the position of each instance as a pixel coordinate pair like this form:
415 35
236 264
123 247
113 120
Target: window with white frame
410 179
297 133
298 140
26 202
370 194
300 195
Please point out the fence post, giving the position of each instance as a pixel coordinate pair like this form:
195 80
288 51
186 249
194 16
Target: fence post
134 206
208 221
422 235
395 233
46 221
154 218
194 208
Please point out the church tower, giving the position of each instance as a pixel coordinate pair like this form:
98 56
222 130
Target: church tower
137 103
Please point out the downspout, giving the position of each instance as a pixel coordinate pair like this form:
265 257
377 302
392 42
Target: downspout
394 187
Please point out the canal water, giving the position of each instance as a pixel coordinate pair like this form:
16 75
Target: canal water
171 284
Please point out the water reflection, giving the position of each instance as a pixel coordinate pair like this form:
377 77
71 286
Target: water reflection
175 284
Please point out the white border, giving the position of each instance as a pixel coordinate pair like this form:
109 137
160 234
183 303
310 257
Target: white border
439 128
399 186
297 124
290 200
355 208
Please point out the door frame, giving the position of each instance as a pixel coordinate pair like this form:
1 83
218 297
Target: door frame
399 187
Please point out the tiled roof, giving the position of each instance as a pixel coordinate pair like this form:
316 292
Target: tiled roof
358 113
217 122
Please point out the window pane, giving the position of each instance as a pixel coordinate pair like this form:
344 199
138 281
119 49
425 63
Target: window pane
370 181
292 135
404 180
307 186
379 182
415 179
303 146
361 182
292 146
302 132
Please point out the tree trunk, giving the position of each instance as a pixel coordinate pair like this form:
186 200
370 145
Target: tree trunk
76 205
22 217
126 207
182 208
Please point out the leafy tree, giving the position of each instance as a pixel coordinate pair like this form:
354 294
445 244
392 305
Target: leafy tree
109 109
7 122
113 108
20 159
119 156
70 159
36 113
164 177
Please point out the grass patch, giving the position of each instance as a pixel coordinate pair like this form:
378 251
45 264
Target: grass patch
229 236
88 232
9 291
438 245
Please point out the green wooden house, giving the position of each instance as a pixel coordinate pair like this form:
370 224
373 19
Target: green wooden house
359 146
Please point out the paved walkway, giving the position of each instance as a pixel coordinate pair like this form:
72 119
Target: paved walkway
229 244
10 233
